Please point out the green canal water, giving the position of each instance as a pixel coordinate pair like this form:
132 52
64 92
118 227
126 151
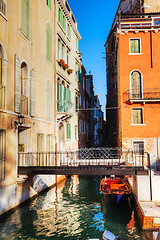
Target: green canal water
74 210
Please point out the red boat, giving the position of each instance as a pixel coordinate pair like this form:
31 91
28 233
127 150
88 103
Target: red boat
115 190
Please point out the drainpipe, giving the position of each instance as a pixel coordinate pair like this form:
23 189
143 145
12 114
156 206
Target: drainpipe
151 42
150 176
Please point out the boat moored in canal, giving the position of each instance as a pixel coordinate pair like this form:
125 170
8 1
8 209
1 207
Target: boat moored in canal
115 190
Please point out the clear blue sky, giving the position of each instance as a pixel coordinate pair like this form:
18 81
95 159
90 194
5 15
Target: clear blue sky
94 20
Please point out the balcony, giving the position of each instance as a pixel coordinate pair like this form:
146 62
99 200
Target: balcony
145 95
24 105
65 110
2 96
3 7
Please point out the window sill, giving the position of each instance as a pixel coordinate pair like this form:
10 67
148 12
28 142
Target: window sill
138 124
25 37
4 16
61 27
135 54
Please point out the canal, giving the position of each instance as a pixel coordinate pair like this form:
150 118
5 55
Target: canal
74 210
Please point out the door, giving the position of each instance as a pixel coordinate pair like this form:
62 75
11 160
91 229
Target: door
136 85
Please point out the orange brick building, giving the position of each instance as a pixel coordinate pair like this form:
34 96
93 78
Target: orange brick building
133 78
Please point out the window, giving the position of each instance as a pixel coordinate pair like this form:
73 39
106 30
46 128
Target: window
76 104
49 101
137 116
76 132
76 70
49 4
2 154
80 76
24 88
61 18
138 147
48 43
58 50
156 21
77 47
3 6
68 131
68 31
63 98
136 85
25 18
135 46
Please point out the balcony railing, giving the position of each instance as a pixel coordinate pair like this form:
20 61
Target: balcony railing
2 96
3 7
24 105
65 107
145 95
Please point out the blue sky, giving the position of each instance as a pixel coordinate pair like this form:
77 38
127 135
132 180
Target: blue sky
94 20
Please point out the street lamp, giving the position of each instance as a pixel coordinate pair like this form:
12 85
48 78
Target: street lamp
18 123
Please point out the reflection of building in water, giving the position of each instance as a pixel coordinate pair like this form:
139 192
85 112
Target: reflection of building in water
73 189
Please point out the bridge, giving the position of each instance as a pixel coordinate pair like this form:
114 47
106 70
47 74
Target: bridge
88 161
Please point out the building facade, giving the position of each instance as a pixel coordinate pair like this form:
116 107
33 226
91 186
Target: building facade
133 95
68 67
98 123
27 89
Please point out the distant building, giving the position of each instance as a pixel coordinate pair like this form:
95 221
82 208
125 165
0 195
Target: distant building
98 123
133 86
68 70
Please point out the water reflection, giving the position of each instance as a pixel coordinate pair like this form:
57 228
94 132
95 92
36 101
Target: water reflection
74 210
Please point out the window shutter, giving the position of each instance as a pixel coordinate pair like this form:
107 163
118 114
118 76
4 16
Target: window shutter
80 76
68 30
17 76
59 14
32 92
131 46
68 131
61 17
137 46
64 100
64 23
69 95
58 97
25 18
50 4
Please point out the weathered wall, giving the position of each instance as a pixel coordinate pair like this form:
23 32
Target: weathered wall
13 195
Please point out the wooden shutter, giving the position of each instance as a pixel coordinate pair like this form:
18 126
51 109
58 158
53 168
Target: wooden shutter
69 95
68 131
75 131
64 23
59 14
131 46
68 31
32 92
25 18
137 46
50 4
80 76
17 79
64 100
137 116
58 97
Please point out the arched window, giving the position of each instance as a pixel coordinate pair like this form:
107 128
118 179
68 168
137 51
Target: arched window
49 101
136 85
48 43
25 18
3 74
25 77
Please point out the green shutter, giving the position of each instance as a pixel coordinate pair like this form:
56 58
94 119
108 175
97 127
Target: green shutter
68 131
76 103
32 93
49 101
137 46
58 97
64 23
25 18
68 30
131 46
75 132
69 95
59 14
61 17
64 100
50 4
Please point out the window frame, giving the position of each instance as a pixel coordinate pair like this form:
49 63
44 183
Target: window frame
140 46
142 115
138 141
